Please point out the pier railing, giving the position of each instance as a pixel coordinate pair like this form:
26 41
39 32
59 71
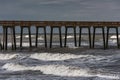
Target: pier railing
63 23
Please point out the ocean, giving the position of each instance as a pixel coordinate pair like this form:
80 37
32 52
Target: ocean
70 63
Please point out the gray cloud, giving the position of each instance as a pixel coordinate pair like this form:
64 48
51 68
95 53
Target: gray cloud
60 9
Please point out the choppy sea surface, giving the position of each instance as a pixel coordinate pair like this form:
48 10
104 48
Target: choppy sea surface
71 63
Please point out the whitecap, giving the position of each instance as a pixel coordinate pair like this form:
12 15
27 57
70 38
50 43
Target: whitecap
114 36
55 56
27 36
40 38
17 36
7 56
68 37
58 70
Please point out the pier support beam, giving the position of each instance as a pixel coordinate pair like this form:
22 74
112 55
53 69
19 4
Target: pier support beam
80 32
66 31
5 37
103 34
45 38
21 35
51 35
108 29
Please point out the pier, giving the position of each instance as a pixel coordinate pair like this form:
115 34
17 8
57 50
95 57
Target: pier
6 25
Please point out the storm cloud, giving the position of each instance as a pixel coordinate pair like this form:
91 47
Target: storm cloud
100 10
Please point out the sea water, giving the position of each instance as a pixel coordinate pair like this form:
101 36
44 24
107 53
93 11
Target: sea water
61 64
71 63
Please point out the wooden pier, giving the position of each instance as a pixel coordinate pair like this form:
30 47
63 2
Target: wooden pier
58 24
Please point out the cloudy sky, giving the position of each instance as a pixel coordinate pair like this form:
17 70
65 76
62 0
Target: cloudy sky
100 10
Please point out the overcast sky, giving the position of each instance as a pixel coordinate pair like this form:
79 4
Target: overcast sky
100 10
